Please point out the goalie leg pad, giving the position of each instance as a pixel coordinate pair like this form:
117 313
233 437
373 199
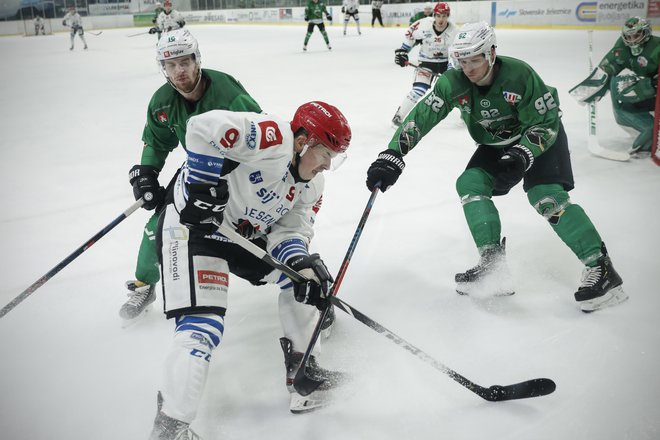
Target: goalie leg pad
187 364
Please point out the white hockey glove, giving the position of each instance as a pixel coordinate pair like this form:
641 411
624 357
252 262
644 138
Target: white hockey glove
591 89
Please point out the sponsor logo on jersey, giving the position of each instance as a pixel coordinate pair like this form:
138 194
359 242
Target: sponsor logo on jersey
266 195
485 103
256 177
642 61
270 134
511 98
212 277
251 137
317 205
162 116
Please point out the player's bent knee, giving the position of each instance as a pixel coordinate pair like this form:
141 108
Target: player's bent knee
474 182
200 333
550 201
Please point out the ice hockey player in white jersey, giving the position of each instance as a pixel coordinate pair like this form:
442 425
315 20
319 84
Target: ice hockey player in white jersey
38 25
170 19
350 8
433 35
262 176
72 19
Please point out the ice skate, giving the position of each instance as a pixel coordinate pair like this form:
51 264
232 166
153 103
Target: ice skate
167 428
141 296
601 286
490 277
322 395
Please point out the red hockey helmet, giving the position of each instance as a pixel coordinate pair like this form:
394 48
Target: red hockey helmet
325 123
441 8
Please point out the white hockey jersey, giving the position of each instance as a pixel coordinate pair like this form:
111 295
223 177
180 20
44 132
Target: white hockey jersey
434 48
350 6
169 22
72 19
261 188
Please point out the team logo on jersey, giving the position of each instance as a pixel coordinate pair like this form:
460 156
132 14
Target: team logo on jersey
270 134
251 137
256 177
511 98
485 103
161 116
642 61
212 277
463 100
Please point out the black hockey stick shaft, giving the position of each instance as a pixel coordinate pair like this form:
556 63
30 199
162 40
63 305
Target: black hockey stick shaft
41 281
494 393
303 383
139 33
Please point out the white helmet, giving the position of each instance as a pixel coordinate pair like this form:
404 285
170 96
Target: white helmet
177 43
473 39
428 6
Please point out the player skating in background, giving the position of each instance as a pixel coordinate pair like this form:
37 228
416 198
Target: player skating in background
433 35
158 8
314 17
72 19
190 90
513 116
39 25
351 8
170 19
262 176
376 6
426 12
633 92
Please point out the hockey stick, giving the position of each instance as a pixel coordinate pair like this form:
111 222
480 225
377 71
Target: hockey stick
494 393
41 281
303 383
592 139
139 33
96 34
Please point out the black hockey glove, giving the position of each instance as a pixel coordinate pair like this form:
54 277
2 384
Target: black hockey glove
386 170
329 17
64 23
315 290
401 57
512 166
205 208
181 23
343 10
153 30
245 228
144 179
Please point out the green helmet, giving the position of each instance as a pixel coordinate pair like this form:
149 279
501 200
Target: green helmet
635 33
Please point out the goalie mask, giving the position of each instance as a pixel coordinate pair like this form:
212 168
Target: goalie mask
176 44
635 33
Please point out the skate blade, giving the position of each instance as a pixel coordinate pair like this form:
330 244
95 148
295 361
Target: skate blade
126 323
463 290
611 298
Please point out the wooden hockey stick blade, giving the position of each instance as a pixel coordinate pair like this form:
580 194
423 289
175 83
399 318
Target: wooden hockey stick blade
495 393
594 148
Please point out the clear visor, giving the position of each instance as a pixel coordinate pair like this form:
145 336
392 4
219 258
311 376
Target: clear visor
329 159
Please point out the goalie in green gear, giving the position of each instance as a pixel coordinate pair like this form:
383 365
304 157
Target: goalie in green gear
633 92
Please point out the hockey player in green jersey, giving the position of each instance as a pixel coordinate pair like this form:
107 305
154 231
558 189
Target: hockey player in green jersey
633 92
513 116
427 12
314 17
190 90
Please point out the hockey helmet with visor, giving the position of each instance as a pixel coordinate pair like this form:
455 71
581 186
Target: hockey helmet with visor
326 128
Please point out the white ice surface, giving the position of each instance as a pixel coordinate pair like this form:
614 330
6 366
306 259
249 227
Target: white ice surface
71 127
